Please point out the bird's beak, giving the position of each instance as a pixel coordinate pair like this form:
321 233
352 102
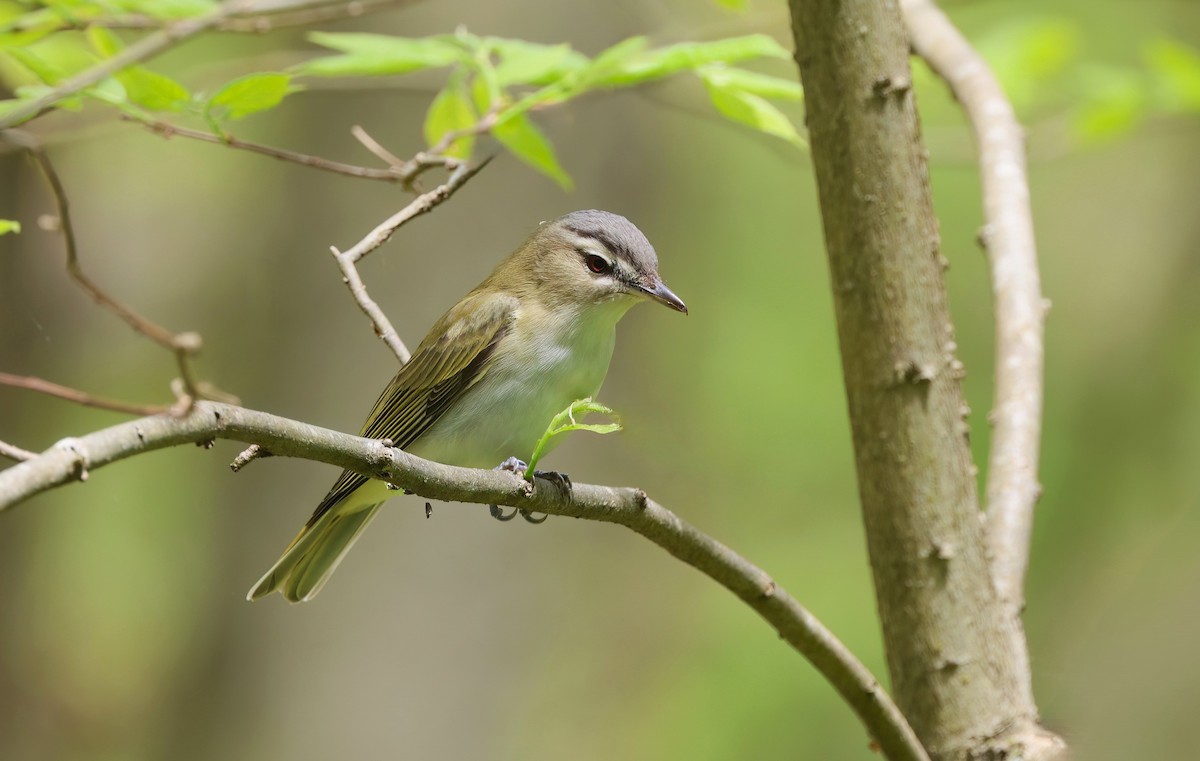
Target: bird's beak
663 295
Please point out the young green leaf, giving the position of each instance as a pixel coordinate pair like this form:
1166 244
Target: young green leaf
9 226
249 94
763 85
565 422
734 5
149 89
104 41
1177 67
154 91
528 63
610 61
662 62
752 110
170 9
46 71
451 111
526 141
379 54
1114 102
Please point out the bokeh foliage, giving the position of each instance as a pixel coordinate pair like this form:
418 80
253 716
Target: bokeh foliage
125 635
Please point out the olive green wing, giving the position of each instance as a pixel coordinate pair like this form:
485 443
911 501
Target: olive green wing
451 359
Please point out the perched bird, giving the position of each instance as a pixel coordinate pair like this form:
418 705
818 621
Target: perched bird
533 337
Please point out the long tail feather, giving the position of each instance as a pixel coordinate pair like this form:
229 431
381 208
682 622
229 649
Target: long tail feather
314 554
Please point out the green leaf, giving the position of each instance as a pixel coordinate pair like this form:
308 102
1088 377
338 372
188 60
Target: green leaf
754 111
154 91
1177 69
109 91
662 62
1028 55
565 422
526 141
169 9
379 54
751 82
46 72
734 5
146 88
528 63
450 111
104 41
9 226
1114 102
249 94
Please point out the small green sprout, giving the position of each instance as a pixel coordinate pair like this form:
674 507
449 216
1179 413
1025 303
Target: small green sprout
565 421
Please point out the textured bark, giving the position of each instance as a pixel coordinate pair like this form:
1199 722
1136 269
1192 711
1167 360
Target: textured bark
953 672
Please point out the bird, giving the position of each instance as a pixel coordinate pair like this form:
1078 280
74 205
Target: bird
536 335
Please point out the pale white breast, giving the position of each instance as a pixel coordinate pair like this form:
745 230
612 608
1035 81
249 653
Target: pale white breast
534 376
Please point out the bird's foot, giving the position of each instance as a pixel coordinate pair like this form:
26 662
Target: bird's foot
514 465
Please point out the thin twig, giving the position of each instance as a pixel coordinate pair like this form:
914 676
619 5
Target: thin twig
168 130
66 461
14 452
183 346
347 260
422 204
80 397
145 48
373 145
1007 237
379 321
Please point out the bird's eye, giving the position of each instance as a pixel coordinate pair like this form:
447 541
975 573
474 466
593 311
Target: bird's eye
597 263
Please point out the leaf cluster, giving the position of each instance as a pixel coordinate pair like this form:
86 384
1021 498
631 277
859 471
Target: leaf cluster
493 85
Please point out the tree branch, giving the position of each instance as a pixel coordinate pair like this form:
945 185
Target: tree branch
250 21
14 452
1007 237
71 459
347 259
167 130
144 49
42 386
183 346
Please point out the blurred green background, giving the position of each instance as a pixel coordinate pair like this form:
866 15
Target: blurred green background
124 633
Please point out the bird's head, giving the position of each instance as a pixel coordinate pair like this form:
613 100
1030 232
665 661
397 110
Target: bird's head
594 257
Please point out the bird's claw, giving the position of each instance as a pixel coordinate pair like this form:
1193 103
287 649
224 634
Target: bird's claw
498 513
561 480
514 465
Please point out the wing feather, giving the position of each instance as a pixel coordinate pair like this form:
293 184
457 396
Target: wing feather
451 359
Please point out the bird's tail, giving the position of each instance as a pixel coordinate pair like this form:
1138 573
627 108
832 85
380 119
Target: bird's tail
314 554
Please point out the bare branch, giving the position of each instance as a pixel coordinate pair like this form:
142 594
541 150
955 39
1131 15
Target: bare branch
183 346
1007 237
347 260
168 130
79 397
247 456
14 452
379 321
67 460
373 145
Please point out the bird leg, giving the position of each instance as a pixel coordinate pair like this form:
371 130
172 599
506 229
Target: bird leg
512 465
